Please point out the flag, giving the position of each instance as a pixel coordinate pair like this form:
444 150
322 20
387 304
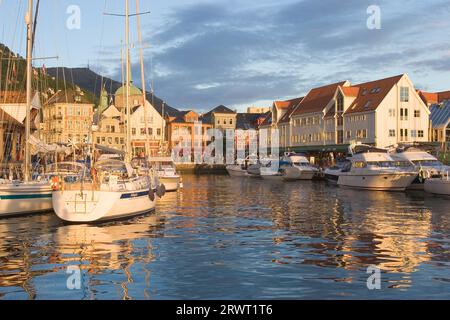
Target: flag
43 70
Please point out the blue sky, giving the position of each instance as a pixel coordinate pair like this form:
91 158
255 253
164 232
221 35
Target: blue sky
200 54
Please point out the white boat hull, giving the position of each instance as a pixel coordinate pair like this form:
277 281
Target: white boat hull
437 186
236 171
381 181
274 177
170 183
24 198
293 173
92 206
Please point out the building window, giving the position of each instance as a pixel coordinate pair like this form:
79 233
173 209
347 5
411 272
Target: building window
404 94
404 133
231 121
133 131
416 113
413 133
142 130
391 112
348 134
150 131
391 133
158 132
420 133
403 114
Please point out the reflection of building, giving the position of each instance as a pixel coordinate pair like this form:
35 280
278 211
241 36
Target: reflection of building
67 117
12 123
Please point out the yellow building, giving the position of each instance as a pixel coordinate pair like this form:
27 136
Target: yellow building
110 129
67 117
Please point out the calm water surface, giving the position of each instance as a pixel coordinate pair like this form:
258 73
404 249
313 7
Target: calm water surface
239 238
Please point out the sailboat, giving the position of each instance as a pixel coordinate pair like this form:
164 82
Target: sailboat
25 196
114 189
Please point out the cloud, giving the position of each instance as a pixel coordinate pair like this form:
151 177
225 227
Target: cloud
208 54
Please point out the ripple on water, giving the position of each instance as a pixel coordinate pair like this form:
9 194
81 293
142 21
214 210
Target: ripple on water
233 238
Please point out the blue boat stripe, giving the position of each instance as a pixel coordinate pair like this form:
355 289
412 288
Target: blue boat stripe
134 195
25 196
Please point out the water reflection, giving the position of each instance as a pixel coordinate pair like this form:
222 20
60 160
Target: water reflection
223 237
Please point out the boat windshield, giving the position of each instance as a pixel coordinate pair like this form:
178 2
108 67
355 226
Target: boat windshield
301 164
66 168
111 166
427 163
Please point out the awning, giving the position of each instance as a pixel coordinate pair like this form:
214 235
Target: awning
38 146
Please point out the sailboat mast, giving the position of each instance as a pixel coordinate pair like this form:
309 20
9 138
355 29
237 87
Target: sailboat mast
127 80
144 98
29 23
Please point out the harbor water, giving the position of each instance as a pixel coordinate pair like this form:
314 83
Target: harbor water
239 238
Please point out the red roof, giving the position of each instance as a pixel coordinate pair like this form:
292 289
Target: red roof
443 95
371 94
317 99
350 91
292 107
428 97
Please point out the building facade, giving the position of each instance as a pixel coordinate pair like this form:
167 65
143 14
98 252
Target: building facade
67 118
329 118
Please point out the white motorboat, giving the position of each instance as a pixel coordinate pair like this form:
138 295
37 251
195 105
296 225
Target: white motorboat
374 169
112 191
332 174
274 170
299 167
167 173
24 195
438 186
427 165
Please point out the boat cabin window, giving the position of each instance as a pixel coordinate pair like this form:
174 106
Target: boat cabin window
427 163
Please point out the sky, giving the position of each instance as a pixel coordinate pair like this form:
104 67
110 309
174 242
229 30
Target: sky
200 54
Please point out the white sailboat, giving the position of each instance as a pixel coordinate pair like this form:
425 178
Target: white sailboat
114 190
25 196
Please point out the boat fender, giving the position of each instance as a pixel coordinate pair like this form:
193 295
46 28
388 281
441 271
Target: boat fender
55 183
421 176
161 190
151 194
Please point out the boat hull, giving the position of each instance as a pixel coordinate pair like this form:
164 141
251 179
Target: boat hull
380 182
293 173
25 198
437 186
93 206
170 183
236 171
